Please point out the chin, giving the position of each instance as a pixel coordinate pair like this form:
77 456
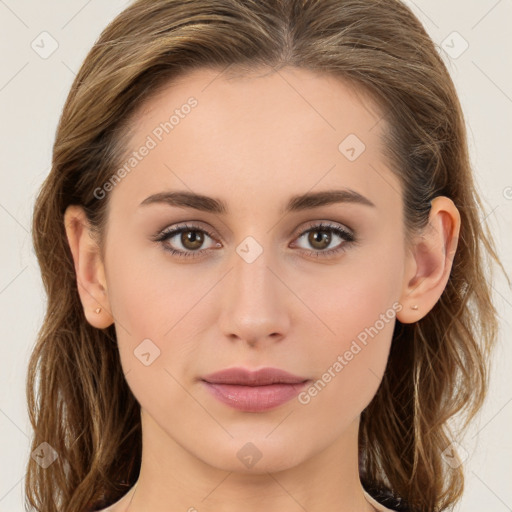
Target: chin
256 455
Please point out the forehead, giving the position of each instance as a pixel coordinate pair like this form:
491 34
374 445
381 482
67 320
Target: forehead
259 134
229 98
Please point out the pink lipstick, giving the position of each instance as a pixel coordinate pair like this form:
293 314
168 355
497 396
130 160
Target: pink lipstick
254 391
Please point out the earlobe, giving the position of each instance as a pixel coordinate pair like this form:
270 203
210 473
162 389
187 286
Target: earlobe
89 268
430 261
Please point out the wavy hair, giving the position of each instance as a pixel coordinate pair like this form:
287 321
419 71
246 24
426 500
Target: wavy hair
78 399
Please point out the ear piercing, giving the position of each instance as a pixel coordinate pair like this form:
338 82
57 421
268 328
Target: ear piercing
97 310
415 306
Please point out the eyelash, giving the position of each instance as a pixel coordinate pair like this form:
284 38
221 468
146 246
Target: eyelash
348 237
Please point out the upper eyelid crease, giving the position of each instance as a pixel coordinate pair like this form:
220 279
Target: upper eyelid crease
295 204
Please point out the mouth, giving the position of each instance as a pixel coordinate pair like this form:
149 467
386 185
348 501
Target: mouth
254 391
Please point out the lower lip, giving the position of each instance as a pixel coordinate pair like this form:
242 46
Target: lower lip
254 398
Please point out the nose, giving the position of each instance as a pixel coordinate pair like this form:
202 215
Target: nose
255 301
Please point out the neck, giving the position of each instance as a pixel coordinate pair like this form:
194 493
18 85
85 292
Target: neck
172 478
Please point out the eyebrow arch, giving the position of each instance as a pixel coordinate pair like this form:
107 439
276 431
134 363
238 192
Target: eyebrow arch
295 204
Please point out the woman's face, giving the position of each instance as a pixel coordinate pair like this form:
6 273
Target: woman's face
256 283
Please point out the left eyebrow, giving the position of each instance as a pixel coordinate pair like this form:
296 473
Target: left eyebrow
317 199
296 203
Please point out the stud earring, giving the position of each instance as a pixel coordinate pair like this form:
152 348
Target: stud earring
414 307
97 310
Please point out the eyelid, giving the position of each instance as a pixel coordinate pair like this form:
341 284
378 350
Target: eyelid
347 234
199 226
192 225
323 224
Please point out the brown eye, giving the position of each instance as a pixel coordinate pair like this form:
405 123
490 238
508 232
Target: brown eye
192 240
319 239
186 241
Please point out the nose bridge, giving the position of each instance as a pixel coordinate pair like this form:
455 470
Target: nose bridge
252 279
253 305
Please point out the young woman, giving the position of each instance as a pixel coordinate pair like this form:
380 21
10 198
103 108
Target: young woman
261 244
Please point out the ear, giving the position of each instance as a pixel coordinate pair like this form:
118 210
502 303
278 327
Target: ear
429 261
89 268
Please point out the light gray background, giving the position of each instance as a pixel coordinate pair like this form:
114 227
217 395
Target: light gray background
32 93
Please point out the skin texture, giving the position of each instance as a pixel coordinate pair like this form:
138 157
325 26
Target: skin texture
254 142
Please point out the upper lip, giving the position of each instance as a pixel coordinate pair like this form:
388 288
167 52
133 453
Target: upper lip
261 377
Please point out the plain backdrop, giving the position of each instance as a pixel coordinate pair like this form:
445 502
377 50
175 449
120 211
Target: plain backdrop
475 40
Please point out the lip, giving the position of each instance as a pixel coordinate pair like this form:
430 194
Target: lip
254 391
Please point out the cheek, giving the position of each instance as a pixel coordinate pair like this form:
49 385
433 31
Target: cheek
357 306
348 366
154 299
352 296
147 292
145 308
133 296
136 298
347 381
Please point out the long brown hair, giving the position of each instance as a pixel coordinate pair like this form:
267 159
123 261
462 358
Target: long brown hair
79 402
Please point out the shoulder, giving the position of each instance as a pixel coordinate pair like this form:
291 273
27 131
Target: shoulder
386 502
119 506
